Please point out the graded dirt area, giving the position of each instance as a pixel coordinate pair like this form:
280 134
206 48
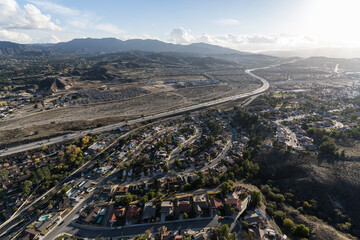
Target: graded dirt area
74 118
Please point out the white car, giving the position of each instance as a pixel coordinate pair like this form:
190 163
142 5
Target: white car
118 228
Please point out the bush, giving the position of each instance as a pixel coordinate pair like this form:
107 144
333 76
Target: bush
288 224
279 216
301 231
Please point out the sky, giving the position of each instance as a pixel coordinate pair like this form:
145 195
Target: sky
247 25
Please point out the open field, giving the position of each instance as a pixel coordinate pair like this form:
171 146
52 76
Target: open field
113 90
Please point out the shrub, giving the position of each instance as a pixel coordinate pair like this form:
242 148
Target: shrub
288 224
301 231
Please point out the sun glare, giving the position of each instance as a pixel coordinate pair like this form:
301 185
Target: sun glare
333 21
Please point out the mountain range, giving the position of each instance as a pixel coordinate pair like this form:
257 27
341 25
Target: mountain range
110 45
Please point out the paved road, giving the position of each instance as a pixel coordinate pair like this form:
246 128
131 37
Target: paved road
133 230
34 145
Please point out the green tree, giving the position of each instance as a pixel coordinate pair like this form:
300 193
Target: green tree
328 147
288 224
225 187
255 198
301 231
4 174
26 187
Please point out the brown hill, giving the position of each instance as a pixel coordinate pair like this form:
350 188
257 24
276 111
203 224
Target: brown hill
52 85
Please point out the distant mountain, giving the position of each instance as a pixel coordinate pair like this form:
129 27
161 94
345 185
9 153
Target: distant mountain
10 49
91 46
112 45
318 52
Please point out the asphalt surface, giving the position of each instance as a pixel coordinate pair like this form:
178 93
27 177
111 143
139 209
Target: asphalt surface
34 145
133 230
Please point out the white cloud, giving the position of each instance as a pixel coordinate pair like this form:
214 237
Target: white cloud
56 8
28 17
227 21
244 42
54 39
14 36
180 35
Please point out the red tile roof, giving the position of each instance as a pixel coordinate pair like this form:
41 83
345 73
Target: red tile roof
234 202
117 213
132 212
184 207
215 202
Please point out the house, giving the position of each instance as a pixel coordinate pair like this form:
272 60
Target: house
200 203
256 221
120 191
30 233
167 208
149 211
215 204
89 217
257 233
234 203
184 207
116 214
44 225
132 214
109 190
62 203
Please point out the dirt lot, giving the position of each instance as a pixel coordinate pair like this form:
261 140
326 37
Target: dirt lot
67 119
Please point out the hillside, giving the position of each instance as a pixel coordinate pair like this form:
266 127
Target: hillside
51 85
330 186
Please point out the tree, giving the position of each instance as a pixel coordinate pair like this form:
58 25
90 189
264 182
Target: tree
144 199
126 199
225 187
4 174
301 231
279 216
26 187
224 230
288 224
255 199
327 147
223 233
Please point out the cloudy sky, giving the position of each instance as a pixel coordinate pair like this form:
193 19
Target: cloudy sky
251 25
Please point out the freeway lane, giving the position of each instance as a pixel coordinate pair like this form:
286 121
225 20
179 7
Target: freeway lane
34 145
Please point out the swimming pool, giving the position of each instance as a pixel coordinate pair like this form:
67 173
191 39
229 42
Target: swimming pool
43 218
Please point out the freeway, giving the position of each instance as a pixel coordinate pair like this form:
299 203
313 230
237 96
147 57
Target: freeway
34 145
